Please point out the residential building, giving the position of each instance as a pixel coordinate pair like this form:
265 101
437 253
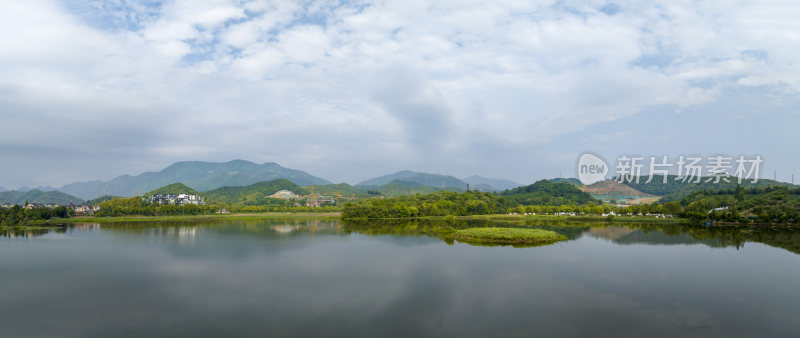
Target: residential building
86 210
177 199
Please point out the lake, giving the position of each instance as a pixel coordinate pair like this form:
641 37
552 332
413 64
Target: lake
330 278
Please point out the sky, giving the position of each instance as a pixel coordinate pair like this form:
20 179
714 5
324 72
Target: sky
349 90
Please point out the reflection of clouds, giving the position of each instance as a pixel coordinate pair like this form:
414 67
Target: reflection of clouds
610 233
86 226
284 229
181 235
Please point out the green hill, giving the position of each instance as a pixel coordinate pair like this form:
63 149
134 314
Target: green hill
401 188
254 194
38 196
202 176
675 190
97 201
175 188
433 180
547 192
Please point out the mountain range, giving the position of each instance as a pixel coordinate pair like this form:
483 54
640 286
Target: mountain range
38 196
201 176
207 176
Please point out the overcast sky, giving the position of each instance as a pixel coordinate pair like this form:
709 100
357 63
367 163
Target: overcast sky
350 90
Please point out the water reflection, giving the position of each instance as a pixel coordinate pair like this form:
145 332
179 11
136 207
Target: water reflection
186 233
21 233
388 278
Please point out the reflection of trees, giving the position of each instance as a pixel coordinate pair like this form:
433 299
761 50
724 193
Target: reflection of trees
28 233
405 227
665 234
253 228
640 233
736 237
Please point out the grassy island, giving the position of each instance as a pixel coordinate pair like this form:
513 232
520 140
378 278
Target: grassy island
508 235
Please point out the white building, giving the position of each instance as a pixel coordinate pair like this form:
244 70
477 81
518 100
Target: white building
176 199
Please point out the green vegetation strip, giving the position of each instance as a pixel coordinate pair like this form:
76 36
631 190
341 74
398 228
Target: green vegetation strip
508 235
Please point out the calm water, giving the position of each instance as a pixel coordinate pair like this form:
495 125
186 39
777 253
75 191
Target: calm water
281 278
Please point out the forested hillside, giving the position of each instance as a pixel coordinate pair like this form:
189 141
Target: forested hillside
547 192
762 204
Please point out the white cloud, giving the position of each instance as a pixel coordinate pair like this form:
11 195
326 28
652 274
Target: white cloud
431 80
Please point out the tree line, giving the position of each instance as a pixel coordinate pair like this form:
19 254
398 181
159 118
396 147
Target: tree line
17 215
441 203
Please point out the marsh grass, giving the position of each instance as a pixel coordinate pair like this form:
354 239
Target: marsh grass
508 235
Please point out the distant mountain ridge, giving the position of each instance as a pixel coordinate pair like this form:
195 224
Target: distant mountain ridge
433 180
25 188
201 176
38 196
477 182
